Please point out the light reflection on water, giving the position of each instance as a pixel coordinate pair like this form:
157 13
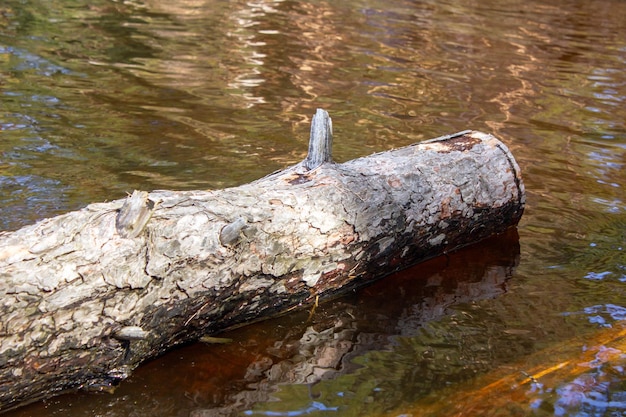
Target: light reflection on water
103 97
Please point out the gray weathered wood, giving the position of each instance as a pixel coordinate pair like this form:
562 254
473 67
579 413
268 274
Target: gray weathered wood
321 140
87 296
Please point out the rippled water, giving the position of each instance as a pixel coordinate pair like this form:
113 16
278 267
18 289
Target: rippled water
103 97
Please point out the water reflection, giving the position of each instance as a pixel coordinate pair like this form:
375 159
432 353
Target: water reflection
578 377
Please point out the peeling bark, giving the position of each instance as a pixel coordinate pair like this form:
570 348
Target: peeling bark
89 295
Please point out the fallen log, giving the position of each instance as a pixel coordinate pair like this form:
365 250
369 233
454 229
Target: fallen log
87 296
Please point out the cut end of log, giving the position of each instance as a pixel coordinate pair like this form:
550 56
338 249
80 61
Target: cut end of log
320 141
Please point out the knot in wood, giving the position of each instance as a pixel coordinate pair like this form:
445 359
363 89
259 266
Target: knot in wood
231 233
134 214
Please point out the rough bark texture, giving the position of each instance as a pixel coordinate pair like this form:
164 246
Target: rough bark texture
87 296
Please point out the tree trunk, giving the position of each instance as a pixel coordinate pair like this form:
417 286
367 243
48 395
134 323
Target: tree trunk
87 296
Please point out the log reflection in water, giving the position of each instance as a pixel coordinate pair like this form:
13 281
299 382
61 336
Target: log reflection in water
325 347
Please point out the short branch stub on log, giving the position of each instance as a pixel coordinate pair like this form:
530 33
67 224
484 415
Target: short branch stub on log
320 141
87 296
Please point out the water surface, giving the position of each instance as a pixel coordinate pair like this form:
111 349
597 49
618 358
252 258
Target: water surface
103 97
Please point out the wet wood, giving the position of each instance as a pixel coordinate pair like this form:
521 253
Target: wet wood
88 296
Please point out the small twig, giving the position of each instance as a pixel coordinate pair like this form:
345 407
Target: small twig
196 314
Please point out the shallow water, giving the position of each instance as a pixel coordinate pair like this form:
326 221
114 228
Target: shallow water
103 97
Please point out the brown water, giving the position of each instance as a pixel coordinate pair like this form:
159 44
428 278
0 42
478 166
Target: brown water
101 97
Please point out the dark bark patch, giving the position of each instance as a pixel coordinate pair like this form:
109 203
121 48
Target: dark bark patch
461 143
300 179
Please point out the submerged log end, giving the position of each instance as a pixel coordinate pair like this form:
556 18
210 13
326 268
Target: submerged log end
320 141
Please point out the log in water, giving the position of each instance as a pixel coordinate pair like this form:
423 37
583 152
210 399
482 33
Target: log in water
89 295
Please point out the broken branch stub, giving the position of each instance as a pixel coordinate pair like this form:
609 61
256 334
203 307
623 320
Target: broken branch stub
87 296
134 214
320 141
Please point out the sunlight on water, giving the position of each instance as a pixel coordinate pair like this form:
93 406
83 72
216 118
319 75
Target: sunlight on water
315 406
